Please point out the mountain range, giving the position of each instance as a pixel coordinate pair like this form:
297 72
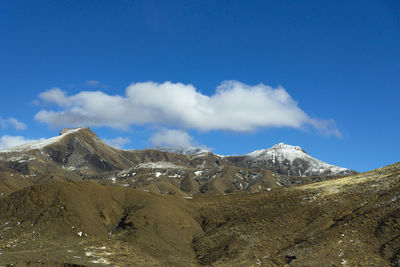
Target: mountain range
80 154
73 200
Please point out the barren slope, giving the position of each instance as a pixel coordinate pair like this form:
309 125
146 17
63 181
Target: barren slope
350 221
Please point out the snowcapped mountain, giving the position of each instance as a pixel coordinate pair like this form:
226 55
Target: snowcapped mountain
81 154
42 142
289 160
74 149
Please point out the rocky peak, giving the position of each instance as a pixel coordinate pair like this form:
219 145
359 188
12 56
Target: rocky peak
290 160
285 147
70 130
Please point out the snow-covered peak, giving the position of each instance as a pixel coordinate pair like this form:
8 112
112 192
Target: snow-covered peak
182 150
286 154
286 147
282 149
42 142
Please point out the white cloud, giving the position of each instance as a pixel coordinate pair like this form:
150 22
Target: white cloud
327 127
7 141
176 138
56 96
234 106
118 142
5 123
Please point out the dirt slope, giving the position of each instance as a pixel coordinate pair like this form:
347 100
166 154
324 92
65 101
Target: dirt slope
351 221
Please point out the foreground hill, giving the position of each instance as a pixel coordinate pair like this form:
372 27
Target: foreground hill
78 154
348 221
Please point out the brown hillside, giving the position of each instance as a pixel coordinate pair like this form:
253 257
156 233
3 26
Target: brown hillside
350 221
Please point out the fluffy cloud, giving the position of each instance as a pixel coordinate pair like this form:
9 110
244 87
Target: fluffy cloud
176 141
5 123
55 96
234 106
175 138
7 141
118 142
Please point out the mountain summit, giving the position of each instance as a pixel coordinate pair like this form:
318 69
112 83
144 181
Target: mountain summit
280 149
289 160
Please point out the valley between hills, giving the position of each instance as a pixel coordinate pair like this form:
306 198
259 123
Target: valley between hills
72 200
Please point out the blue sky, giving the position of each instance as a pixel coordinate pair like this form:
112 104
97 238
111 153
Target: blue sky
324 75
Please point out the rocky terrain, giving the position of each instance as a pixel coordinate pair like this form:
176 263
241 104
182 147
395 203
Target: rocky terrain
74 201
79 154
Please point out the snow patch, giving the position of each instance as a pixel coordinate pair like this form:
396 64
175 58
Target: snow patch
158 165
186 150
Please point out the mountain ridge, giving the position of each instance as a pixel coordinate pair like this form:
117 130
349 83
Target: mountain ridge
80 154
87 203
278 149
